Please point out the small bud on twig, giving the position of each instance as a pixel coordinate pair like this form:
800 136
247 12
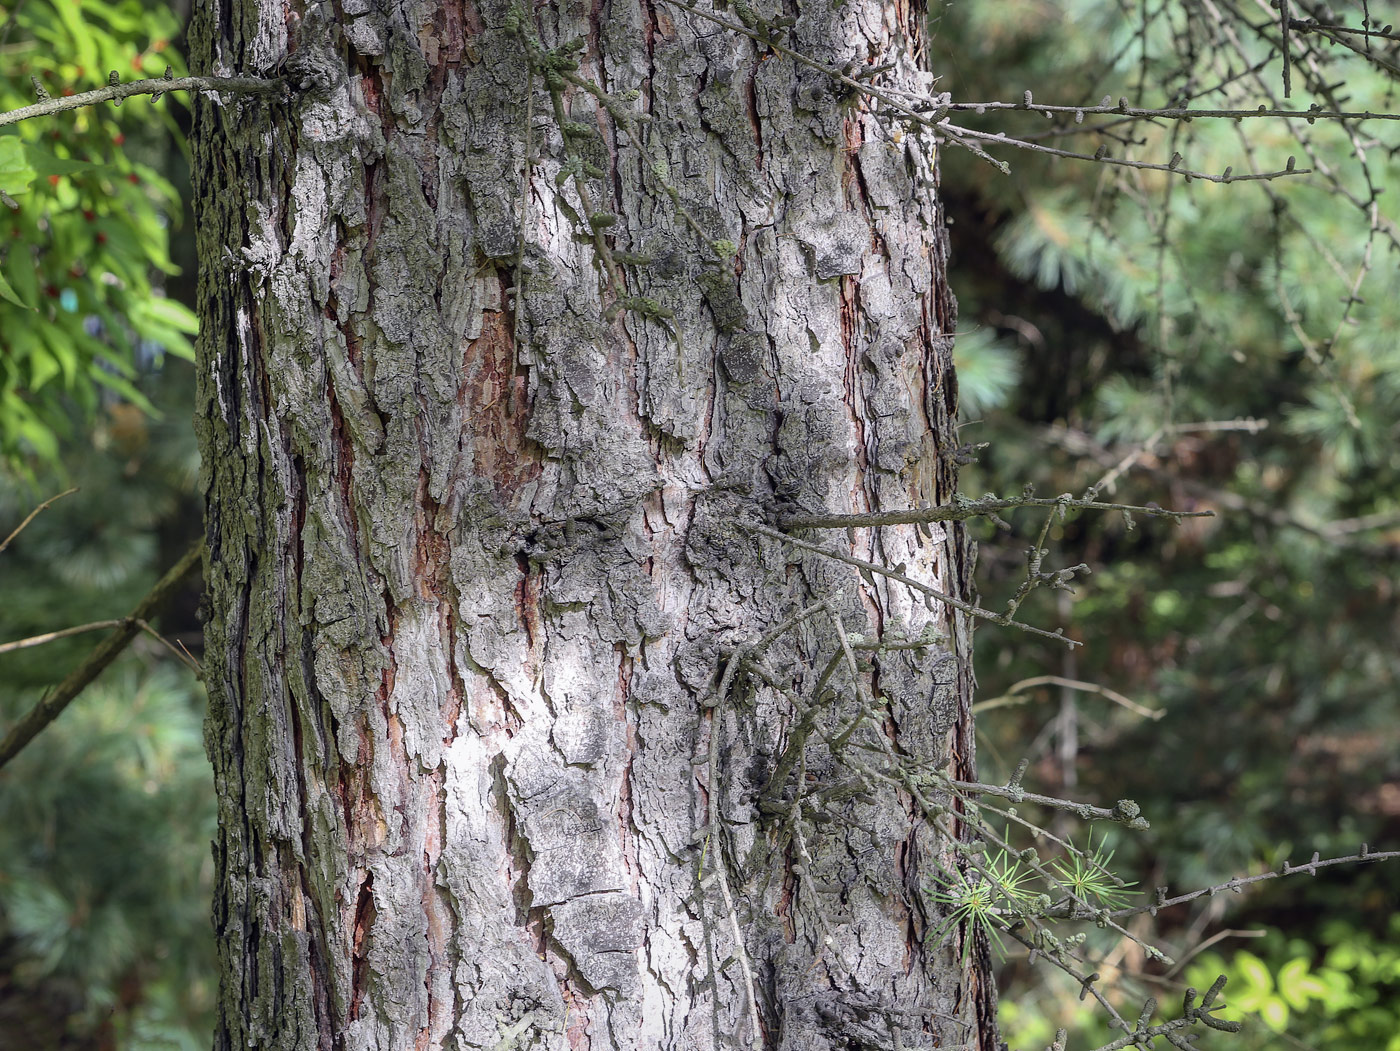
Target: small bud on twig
169 75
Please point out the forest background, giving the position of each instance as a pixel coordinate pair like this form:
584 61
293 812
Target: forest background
1203 346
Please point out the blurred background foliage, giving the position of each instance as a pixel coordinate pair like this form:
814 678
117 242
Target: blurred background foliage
1201 346
86 219
1223 347
106 818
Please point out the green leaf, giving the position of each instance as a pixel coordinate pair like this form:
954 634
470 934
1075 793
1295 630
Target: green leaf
25 281
172 313
18 419
46 163
84 40
7 291
1274 1012
15 171
1253 972
126 389
42 368
1297 986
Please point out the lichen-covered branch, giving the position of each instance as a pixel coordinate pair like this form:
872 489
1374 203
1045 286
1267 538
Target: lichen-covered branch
155 87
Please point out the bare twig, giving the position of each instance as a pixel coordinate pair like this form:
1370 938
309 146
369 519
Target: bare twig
935 115
1122 109
1309 868
910 582
1125 811
1009 697
11 22
53 636
153 86
180 653
30 517
48 709
1339 532
962 509
1101 156
1182 961
716 829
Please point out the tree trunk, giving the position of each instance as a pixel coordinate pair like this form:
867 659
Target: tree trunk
481 545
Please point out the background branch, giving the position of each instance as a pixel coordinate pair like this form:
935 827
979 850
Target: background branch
48 709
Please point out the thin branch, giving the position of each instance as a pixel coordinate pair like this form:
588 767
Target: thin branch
907 581
1125 811
1339 532
1009 697
1100 156
779 630
1049 948
716 828
153 86
1286 20
53 636
11 22
1141 1034
31 516
1310 868
1330 33
1247 424
804 875
933 113
521 270
1345 526
1308 25
48 709
863 703
961 509
1182 961
1134 454
1035 556
1122 109
180 653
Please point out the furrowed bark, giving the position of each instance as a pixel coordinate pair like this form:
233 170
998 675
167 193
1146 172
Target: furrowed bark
476 555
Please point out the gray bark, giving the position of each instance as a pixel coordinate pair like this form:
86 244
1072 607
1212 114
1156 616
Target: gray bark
476 556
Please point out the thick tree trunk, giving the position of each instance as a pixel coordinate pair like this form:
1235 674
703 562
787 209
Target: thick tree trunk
478 555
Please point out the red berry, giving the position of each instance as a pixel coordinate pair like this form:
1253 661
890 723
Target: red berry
134 179
101 238
118 139
53 180
89 214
